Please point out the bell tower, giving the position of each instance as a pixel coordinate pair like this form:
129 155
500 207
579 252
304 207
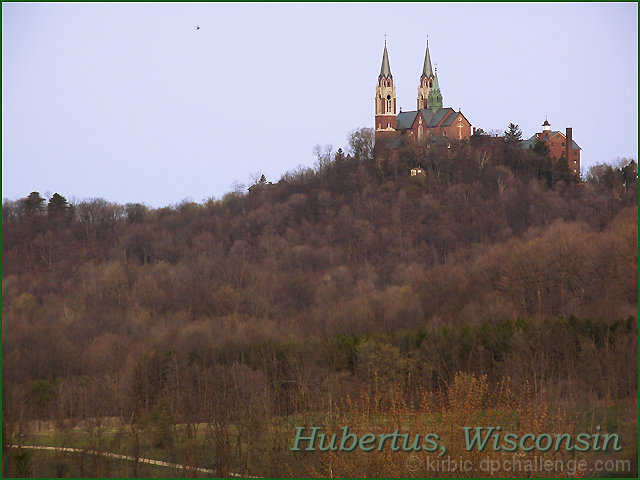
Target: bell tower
426 81
435 96
385 96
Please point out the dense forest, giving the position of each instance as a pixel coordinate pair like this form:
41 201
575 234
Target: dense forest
349 280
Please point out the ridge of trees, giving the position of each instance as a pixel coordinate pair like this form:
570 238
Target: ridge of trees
322 282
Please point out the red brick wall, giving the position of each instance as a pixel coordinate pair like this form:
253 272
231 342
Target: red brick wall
556 144
453 130
574 162
384 120
556 149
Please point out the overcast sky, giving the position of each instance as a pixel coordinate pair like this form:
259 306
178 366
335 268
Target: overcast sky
132 103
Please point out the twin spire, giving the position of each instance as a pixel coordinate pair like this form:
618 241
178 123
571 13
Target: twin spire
385 69
429 95
427 71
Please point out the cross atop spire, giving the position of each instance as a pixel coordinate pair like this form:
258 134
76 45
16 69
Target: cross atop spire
436 85
427 71
385 69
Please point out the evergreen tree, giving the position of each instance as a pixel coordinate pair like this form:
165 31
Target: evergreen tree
561 170
33 204
541 148
57 203
513 135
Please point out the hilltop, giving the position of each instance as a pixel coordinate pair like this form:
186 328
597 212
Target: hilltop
349 247
351 275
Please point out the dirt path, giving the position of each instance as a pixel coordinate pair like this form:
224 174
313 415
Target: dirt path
127 457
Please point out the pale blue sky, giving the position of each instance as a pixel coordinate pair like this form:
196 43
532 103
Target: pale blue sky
129 102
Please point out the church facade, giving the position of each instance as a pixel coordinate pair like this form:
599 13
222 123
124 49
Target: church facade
430 122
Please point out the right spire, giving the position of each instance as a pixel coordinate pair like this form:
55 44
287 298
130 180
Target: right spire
434 100
426 81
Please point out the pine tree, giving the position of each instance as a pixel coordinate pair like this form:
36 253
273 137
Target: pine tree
57 203
33 204
513 135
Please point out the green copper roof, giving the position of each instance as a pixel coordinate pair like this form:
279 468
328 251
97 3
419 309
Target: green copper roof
436 84
427 71
434 101
385 69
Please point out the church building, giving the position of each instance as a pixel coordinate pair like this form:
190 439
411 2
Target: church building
429 122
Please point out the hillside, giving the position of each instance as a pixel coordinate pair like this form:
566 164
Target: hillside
324 280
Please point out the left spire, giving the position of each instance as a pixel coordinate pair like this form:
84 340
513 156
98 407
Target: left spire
385 69
427 71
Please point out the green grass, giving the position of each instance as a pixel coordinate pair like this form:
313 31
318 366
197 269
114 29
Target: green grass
270 451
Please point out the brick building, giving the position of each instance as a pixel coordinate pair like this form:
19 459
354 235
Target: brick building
430 122
560 145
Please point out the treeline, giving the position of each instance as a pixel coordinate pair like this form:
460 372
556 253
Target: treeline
571 358
308 286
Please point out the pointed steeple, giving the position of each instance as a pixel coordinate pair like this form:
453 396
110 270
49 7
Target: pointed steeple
426 80
385 69
385 96
435 96
427 71
436 84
